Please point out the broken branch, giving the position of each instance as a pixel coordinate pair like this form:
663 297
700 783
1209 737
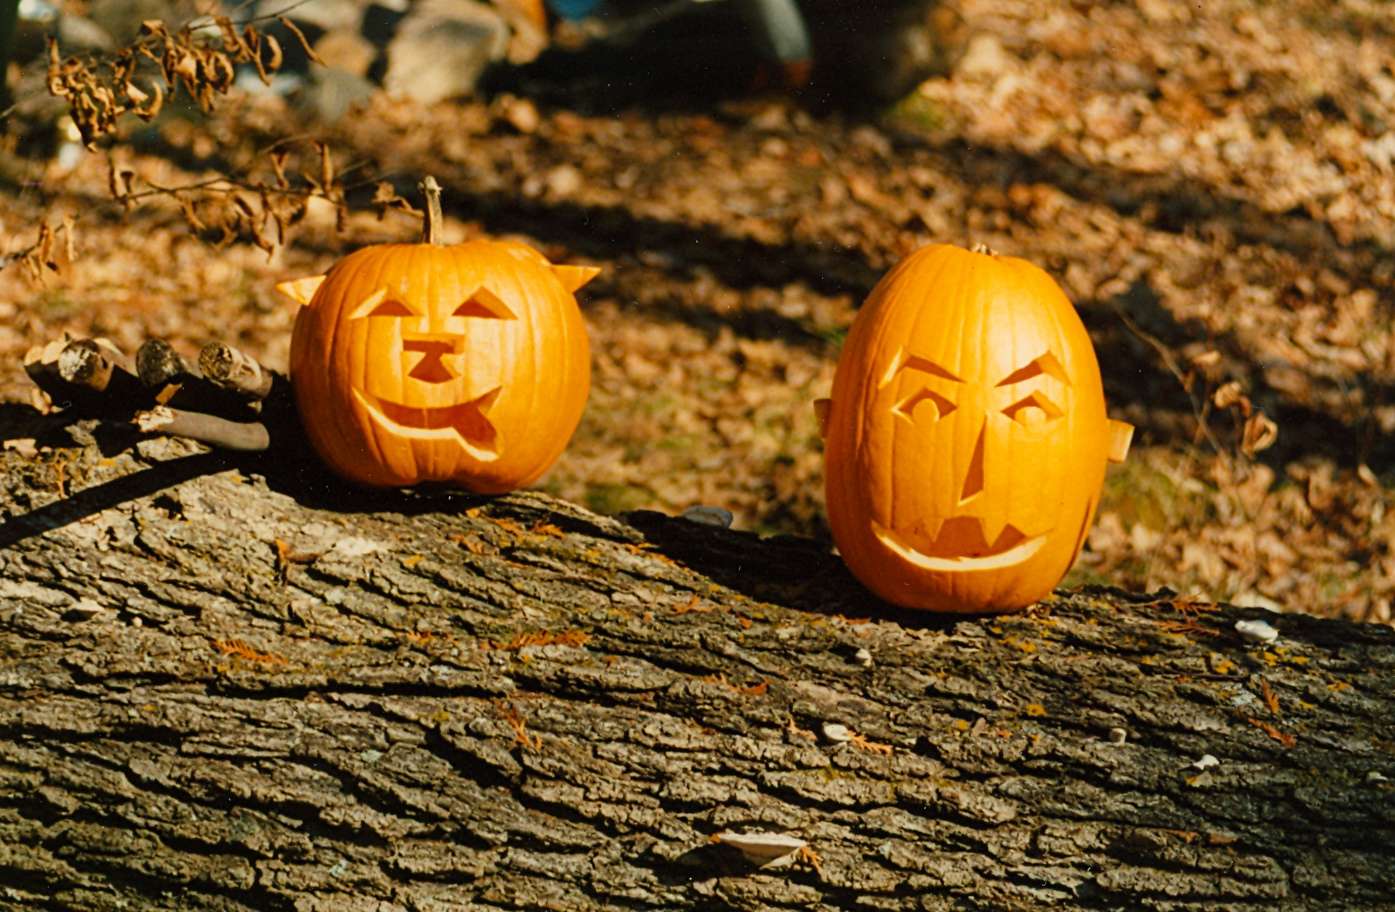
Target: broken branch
241 436
176 383
234 370
88 375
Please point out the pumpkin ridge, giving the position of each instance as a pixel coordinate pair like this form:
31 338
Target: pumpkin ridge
361 339
942 260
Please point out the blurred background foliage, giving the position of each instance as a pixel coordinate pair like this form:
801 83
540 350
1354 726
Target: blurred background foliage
1213 185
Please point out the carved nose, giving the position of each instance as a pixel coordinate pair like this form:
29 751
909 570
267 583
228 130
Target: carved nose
973 477
430 369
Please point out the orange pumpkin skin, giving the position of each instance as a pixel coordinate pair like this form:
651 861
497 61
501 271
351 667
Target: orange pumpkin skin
966 437
466 364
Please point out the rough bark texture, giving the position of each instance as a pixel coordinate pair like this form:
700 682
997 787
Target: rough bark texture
234 684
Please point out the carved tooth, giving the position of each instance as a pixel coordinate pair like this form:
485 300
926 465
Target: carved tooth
930 528
993 526
1256 631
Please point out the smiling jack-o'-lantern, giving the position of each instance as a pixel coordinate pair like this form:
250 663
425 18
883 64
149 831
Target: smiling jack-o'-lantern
966 436
464 363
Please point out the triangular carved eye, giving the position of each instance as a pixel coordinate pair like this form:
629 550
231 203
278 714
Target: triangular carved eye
391 308
378 304
1033 410
485 303
942 405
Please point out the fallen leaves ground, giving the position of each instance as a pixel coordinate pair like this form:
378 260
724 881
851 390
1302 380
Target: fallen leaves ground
1213 185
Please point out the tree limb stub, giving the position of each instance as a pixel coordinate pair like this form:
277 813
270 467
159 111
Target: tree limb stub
235 370
159 365
178 384
92 375
270 692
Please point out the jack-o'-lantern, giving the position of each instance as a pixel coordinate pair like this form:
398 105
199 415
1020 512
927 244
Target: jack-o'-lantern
966 435
466 363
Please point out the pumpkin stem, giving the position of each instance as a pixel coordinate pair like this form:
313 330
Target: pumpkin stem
983 248
431 222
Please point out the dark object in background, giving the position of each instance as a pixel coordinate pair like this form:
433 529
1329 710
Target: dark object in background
9 18
875 51
693 52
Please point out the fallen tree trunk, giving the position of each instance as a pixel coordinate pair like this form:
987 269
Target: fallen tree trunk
229 683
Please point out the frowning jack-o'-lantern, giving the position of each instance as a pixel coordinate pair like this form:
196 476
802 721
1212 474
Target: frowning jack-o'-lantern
966 435
466 363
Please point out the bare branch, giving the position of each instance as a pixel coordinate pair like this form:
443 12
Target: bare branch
240 436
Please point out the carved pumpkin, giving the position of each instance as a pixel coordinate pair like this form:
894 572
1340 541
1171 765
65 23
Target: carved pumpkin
966 436
466 364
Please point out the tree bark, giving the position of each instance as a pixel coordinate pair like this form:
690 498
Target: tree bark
227 682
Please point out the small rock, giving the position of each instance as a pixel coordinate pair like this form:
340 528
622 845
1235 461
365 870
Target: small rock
519 113
1256 631
1206 762
563 181
762 848
862 657
84 609
1375 777
1243 698
836 733
345 49
984 57
328 15
708 516
24 446
332 93
355 547
37 10
441 48
77 34
1118 736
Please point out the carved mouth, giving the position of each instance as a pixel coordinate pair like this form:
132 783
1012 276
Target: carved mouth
961 546
466 421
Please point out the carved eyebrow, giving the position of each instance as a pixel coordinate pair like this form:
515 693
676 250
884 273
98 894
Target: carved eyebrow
1042 364
903 361
375 306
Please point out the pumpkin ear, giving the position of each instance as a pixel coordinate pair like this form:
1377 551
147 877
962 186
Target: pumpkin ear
301 290
821 408
1120 436
573 277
